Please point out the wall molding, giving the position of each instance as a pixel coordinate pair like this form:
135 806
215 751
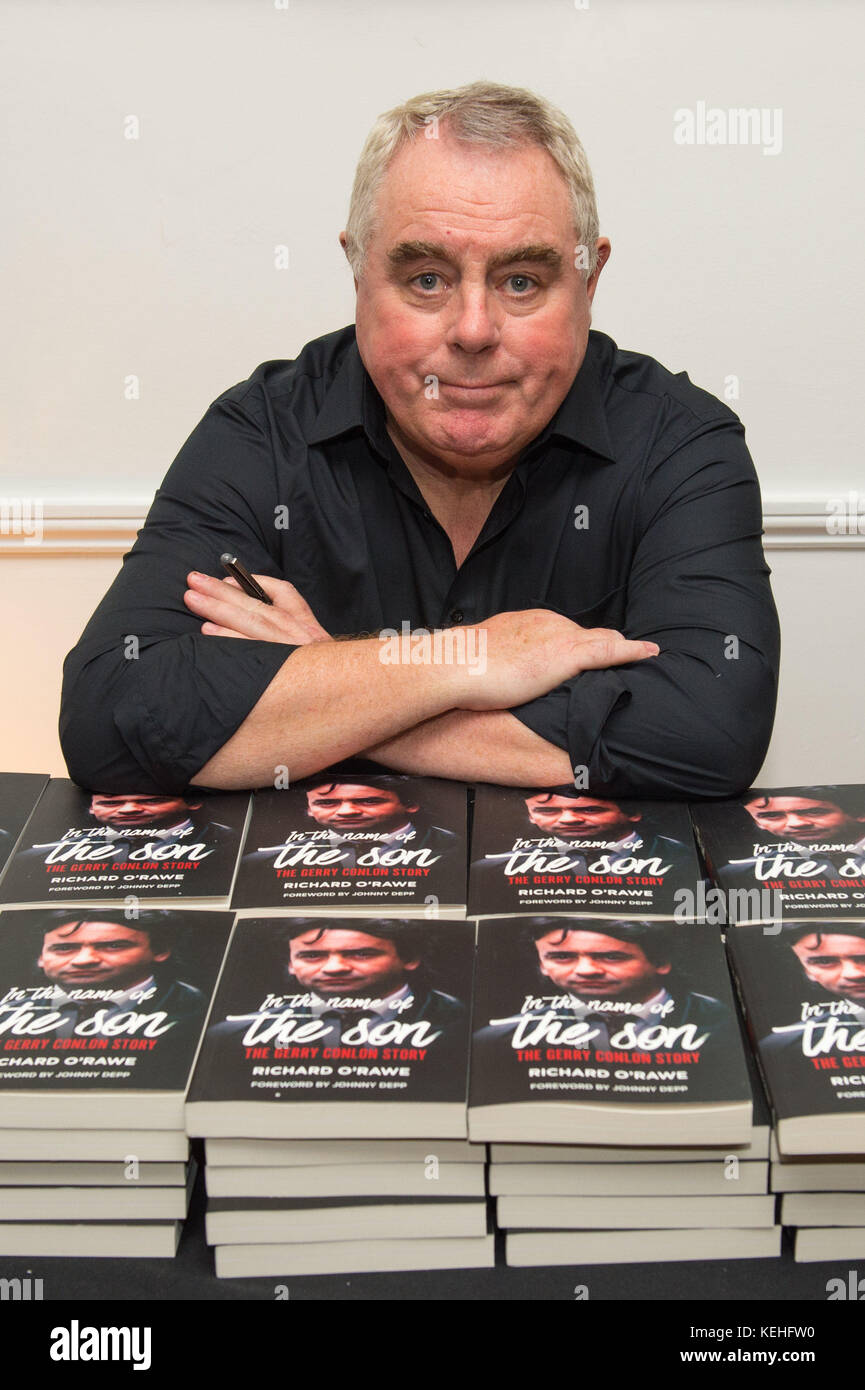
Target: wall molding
28 527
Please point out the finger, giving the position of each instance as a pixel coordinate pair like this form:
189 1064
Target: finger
238 613
612 649
214 630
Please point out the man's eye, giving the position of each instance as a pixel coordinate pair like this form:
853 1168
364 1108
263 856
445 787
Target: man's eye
526 284
426 275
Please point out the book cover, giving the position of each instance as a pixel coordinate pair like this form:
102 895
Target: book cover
786 852
338 1028
564 850
19 793
600 1031
369 841
802 988
86 847
101 1015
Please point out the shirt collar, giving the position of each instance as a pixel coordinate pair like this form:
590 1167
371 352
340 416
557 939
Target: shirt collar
352 402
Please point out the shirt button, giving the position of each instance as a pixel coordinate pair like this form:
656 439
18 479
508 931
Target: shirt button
456 615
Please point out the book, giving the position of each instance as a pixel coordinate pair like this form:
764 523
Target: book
803 995
329 1028
274 1153
785 853
823 1209
19 793
817 1175
624 1153
91 1239
350 1180
71 1174
605 1032
93 1145
101 1014
354 1256
832 1243
561 850
353 847
727 1177
81 847
98 1203
640 1247
529 1212
245 1220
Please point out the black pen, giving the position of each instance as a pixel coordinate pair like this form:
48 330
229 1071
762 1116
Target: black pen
244 578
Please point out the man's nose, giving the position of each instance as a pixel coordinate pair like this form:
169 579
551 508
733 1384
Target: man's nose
86 955
335 963
475 323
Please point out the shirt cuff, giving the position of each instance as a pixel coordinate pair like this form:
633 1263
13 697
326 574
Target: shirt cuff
186 698
573 717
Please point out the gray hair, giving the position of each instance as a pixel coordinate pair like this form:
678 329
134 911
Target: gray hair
482 113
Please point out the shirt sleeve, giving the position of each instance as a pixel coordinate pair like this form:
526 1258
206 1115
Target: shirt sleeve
694 721
147 698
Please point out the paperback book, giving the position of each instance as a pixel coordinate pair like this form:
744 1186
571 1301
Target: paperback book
784 853
101 1016
802 988
338 1028
593 1031
19 793
563 850
381 841
81 847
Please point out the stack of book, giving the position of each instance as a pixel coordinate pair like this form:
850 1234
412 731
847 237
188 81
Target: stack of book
803 992
596 1042
100 1021
331 1091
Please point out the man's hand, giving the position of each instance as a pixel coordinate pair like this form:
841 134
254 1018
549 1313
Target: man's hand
531 652
229 612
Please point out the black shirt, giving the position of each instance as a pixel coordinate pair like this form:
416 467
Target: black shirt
637 508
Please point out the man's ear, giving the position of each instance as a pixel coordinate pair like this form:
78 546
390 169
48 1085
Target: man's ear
342 244
603 250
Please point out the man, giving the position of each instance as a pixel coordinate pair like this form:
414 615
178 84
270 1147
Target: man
352 974
570 820
834 961
131 819
99 962
382 811
615 980
823 826
806 816
467 453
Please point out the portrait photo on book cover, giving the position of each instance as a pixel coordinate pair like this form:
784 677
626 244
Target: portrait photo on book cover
818 995
577 827
85 977
821 827
608 986
387 818
315 988
124 823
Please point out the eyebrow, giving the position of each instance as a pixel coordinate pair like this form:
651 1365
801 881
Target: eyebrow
407 252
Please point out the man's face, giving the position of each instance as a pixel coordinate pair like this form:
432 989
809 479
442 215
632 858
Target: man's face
592 965
101 955
502 340
135 810
803 818
355 806
837 963
338 961
579 817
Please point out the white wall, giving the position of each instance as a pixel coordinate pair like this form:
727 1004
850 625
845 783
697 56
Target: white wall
140 274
